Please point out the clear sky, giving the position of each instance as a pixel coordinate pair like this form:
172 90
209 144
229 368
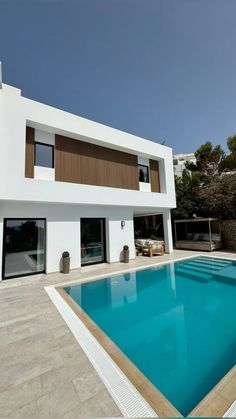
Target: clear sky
160 69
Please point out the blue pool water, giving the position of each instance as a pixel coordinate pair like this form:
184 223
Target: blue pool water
175 322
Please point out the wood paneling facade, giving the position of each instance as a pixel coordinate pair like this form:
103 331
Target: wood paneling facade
81 162
154 176
29 152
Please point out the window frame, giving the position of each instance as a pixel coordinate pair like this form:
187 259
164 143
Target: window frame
53 154
148 172
5 220
104 230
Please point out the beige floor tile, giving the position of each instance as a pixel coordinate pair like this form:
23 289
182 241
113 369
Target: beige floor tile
56 403
87 385
58 377
100 405
18 396
29 410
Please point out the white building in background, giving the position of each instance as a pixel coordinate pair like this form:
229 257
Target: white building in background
179 161
71 184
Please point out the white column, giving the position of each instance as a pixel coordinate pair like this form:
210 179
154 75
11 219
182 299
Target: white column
167 232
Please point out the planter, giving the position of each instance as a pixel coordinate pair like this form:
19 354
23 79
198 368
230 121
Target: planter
126 254
66 265
65 262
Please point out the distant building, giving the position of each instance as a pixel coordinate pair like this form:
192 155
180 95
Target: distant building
179 161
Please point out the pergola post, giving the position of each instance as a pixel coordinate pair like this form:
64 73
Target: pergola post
209 223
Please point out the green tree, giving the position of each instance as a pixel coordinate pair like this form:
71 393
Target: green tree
219 197
187 194
231 143
204 188
209 159
229 162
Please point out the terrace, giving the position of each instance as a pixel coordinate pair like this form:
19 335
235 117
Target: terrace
44 371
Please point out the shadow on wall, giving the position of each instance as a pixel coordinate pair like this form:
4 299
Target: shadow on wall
121 256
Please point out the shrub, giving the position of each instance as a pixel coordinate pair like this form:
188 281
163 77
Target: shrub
65 254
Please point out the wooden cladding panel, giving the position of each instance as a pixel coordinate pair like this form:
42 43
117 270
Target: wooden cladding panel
154 176
29 152
80 162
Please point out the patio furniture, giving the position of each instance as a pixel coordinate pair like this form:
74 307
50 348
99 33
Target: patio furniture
153 250
149 247
198 234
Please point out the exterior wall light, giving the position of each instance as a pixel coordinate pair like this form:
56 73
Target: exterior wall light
122 224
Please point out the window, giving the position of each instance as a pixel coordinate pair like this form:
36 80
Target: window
23 247
44 155
175 162
143 173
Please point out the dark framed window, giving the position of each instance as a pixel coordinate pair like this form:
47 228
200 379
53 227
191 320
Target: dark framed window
143 173
93 241
24 246
44 155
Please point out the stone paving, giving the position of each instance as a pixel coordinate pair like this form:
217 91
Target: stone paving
43 370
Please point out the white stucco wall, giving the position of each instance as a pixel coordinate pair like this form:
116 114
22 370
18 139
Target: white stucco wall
18 111
61 203
63 229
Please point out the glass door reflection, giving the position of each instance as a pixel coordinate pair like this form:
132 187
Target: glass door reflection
23 247
92 241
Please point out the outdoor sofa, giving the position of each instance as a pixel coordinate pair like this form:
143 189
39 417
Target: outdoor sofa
200 242
148 247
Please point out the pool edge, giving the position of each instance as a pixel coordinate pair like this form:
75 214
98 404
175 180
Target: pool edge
97 332
124 394
149 392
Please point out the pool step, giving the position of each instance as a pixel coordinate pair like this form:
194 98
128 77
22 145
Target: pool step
214 262
229 275
210 264
198 268
196 275
208 268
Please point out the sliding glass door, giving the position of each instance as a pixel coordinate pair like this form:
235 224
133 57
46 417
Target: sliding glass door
92 241
23 247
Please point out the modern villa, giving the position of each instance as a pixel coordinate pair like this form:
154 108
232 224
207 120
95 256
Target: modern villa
71 184
151 338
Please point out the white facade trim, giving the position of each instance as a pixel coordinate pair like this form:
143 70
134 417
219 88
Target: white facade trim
44 173
145 187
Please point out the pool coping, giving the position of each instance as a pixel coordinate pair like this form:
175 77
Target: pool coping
215 401
125 395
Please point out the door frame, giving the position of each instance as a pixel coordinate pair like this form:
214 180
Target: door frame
104 240
4 278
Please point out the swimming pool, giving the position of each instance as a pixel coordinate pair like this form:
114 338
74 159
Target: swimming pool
175 322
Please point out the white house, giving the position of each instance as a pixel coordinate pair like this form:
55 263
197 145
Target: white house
179 161
70 184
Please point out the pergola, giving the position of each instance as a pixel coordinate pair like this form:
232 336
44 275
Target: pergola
198 234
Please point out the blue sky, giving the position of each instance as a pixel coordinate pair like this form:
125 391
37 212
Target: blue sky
160 69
